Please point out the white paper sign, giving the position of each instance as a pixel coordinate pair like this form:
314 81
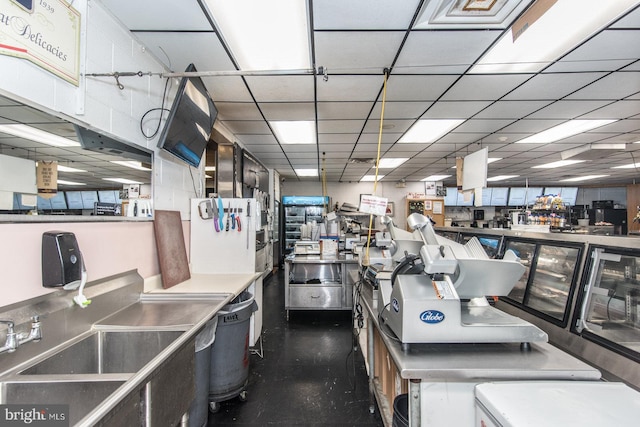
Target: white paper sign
373 205
46 33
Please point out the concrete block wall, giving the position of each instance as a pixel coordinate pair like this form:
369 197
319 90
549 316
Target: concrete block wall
98 103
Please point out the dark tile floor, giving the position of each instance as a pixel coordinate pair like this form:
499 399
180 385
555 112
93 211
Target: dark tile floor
308 376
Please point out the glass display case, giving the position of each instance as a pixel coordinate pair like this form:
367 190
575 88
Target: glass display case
526 252
609 311
492 245
551 270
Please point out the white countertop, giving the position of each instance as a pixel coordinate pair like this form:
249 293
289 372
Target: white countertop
232 284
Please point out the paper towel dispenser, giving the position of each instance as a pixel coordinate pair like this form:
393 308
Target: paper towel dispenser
62 263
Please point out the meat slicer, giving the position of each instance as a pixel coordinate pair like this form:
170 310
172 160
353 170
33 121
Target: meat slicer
446 302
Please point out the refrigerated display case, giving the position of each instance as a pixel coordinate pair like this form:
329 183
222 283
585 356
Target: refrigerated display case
589 281
609 310
492 245
547 285
299 210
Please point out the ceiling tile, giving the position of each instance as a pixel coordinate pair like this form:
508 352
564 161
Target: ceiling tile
281 88
154 15
615 110
340 126
614 86
440 52
366 52
566 109
417 88
240 127
168 47
363 14
552 86
288 110
484 87
455 109
237 111
343 110
349 88
400 110
617 47
510 109
227 88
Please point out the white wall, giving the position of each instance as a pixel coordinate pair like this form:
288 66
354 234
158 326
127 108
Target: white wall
350 192
109 248
99 104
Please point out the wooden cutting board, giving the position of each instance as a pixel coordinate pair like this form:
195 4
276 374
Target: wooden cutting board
172 253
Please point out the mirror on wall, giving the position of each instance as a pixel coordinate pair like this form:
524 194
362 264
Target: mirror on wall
89 164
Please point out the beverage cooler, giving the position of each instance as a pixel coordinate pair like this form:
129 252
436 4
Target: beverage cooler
299 210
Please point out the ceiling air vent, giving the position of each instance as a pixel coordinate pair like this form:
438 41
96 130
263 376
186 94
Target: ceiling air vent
356 160
468 14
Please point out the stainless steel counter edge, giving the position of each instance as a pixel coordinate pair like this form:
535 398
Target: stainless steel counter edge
140 377
543 361
322 259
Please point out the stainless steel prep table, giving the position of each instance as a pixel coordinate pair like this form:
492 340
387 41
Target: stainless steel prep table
442 377
319 282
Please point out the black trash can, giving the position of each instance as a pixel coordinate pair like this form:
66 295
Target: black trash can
198 413
401 410
229 370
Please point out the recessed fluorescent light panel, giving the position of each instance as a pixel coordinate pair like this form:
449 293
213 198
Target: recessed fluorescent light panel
583 178
547 31
294 132
122 180
63 182
62 168
37 135
371 178
131 164
209 168
502 177
426 130
564 130
629 166
264 35
558 164
391 163
306 172
435 178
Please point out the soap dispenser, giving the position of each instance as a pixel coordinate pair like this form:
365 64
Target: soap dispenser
62 264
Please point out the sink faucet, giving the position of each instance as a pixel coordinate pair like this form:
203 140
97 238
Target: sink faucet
34 335
11 343
14 340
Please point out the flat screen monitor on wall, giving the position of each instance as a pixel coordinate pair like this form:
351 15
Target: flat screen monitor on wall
191 118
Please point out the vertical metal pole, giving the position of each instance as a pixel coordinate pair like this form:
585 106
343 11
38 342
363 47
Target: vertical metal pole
414 403
372 364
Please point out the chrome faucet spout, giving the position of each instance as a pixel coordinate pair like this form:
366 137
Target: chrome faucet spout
35 334
11 342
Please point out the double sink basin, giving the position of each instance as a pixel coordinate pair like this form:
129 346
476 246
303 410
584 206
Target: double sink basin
116 360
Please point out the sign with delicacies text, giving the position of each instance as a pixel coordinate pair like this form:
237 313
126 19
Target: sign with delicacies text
46 33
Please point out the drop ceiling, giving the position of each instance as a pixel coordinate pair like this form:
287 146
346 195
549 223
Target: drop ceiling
428 67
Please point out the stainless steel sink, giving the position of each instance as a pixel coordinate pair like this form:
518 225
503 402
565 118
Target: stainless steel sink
105 352
82 396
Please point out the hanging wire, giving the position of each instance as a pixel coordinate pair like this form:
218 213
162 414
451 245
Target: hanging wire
375 181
